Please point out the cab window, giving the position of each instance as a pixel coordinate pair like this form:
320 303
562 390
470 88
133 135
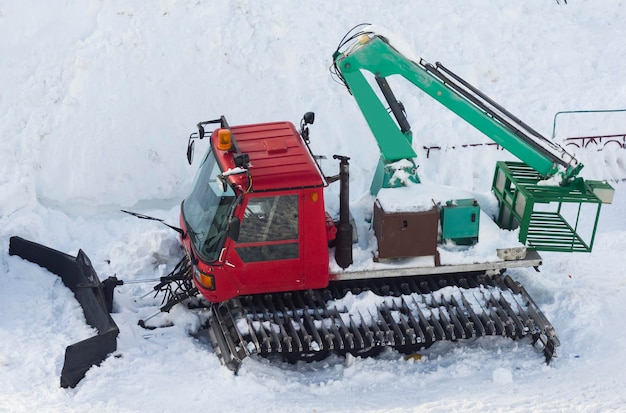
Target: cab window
269 229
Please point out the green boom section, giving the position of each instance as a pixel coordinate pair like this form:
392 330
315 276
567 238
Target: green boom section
393 144
382 60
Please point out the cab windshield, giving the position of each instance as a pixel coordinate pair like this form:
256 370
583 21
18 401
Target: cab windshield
207 209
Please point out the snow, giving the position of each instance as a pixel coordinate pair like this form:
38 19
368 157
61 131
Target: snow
96 105
357 308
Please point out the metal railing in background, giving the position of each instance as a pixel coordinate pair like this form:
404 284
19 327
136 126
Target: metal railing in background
615 140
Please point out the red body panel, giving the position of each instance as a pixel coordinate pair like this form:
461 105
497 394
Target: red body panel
282 169
279 159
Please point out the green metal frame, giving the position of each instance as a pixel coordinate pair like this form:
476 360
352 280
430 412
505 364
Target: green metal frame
523 200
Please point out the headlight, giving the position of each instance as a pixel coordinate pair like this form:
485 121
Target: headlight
205 280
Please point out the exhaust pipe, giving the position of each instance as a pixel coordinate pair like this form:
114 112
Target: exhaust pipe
343 242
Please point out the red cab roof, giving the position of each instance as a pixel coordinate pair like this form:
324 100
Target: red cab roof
279 158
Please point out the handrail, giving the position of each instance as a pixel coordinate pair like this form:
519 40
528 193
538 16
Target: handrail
581 111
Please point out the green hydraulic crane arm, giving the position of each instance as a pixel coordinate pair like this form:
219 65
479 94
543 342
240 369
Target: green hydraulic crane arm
375 54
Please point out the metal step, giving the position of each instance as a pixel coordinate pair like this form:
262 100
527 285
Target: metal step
363 316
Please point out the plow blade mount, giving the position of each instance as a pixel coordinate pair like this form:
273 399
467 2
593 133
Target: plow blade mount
79 276
363 316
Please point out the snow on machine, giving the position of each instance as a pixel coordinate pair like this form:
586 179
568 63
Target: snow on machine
284 277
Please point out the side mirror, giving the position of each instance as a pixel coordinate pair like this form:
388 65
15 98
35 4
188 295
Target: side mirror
309 118
190 147
233 228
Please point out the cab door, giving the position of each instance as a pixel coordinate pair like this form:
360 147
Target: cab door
268 250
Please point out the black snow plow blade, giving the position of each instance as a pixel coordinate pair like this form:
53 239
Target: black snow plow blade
362 317
79 276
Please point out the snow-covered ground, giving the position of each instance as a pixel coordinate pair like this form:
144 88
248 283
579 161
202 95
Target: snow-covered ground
97 100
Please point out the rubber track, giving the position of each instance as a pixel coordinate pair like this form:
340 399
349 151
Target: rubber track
361 317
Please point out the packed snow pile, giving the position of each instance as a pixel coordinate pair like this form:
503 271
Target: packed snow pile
96 105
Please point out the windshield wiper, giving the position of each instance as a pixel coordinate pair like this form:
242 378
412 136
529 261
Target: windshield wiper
142 216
